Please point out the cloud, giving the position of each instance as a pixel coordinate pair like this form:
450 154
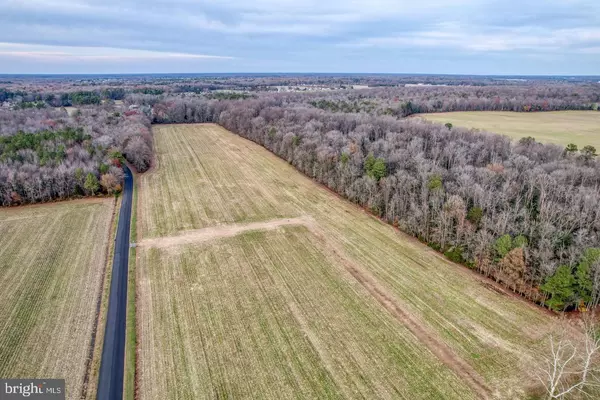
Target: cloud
586 40
309 35
72 53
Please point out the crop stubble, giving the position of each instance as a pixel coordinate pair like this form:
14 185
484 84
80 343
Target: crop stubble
558 127
333 304
52 264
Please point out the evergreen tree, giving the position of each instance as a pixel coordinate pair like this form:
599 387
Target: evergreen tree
571 148
375 167
561 288
503 245
583 275
91 183
475 215
519 241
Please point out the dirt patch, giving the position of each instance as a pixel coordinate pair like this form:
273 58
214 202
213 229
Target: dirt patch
217 232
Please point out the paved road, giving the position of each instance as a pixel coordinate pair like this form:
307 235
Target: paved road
110 381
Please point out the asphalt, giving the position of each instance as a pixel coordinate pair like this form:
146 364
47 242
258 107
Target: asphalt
112 366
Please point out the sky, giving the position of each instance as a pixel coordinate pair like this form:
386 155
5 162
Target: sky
507 37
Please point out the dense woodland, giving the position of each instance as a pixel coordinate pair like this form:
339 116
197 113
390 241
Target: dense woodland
405 101
47 155
524 213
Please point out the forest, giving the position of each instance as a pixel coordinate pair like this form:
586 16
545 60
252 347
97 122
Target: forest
524 213
46 155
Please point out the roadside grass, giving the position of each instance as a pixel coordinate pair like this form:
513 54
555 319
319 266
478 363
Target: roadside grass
53 261
129 381
94 369
209 177
558 127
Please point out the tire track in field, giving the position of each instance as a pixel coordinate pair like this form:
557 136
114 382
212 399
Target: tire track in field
399 311
218 232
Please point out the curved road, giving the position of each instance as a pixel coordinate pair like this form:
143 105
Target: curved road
110 381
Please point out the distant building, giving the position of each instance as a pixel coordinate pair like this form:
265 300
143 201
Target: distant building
421 84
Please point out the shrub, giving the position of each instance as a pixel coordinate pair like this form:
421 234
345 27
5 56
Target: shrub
435 183
455 254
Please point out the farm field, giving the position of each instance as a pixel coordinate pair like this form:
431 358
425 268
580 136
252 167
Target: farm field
558 127
255 282
52 264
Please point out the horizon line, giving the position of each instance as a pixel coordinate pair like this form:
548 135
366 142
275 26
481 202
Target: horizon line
295 73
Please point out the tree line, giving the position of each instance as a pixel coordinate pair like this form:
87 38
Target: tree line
406 101
394 94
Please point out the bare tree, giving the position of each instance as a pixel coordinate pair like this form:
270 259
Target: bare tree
572 370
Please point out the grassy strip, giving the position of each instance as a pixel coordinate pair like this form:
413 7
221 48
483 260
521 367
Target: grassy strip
131 339
94 370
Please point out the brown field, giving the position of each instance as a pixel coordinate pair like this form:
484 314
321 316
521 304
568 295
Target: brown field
255 282
558 127
53 261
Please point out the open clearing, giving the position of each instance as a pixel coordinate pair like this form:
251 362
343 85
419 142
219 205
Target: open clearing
52 266
255 282
559 127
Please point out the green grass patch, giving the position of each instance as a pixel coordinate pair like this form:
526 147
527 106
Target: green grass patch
131 337
559 127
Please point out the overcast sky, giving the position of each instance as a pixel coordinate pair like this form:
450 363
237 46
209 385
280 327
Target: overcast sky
396 36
